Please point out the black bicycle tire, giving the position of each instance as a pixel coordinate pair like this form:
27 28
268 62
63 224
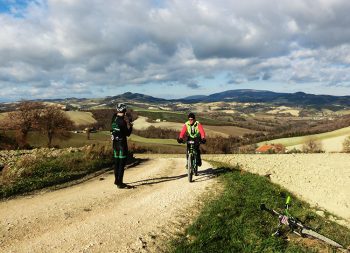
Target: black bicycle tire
195 166
189 168
311 233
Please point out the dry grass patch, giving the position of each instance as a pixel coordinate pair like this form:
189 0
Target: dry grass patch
81 118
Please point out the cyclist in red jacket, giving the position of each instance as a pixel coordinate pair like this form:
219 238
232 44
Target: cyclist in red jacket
194 131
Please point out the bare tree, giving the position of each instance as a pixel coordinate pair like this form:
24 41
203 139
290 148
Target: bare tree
312 146
55 123
23 120
280 148
346 145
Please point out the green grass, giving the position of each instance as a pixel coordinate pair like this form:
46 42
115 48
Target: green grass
234 223
37 139
53 171
151 145
180 117
140 139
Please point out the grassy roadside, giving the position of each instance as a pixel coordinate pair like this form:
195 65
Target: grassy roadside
234 223
37 171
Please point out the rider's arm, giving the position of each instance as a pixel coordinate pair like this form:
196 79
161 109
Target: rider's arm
126 131
129 130
183 132
201 130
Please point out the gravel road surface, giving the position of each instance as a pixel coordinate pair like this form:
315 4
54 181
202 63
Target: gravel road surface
96 216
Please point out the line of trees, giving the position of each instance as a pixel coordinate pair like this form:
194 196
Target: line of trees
35 116
155 132
104 117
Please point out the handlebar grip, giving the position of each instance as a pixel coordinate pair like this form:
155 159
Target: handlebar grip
288 200
263 207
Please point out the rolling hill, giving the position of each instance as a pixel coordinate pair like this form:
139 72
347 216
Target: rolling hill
331 141
298 99
246 96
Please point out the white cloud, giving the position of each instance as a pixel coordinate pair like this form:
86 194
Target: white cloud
139 42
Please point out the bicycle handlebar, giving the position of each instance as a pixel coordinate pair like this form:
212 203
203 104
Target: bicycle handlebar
264 208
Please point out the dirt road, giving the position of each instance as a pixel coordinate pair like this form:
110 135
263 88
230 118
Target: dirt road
95 216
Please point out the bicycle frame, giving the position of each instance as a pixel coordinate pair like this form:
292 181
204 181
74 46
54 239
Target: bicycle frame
192 166
296 226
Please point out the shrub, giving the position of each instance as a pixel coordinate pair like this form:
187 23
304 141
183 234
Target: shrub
155 132
248 149
294 151
346 145
312 146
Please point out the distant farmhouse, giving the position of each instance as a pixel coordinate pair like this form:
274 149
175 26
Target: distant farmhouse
271 149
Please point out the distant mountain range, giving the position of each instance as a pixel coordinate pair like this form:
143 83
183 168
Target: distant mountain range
298 98
243 95
246 96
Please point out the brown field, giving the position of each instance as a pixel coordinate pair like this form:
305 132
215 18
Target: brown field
230 130
224 131
285 109
81 118
331 141
2 117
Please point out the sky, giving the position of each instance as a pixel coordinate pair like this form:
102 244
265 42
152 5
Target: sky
172 49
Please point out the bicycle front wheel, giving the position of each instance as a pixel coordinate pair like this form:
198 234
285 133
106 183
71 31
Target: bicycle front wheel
189 167
320 237
195 166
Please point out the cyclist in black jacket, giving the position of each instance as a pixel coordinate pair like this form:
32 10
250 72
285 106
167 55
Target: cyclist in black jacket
121 129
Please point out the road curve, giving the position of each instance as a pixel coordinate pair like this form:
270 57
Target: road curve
96 216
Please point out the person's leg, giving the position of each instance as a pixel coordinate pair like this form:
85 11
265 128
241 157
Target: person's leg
199 159
187 147
122 162
116 170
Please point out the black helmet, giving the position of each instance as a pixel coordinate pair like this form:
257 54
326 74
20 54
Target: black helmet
191 115
121 107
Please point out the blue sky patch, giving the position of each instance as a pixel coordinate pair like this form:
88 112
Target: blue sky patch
12 6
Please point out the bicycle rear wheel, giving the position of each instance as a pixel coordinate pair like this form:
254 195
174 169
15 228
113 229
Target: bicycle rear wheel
318 236
189 167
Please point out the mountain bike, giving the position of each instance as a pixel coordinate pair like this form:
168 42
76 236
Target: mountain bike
192 166
296 226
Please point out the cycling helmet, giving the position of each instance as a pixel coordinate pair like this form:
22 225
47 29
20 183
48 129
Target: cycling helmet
121 107
191 115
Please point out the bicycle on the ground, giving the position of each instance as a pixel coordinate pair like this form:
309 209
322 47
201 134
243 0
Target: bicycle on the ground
296 226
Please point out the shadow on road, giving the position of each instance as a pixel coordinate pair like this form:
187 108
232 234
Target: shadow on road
202 176
209 173
157 180
135 162
130 164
